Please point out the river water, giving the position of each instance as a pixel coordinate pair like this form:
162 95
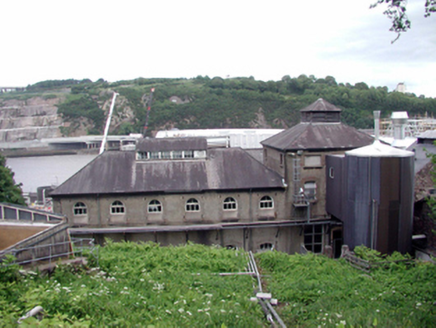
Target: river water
34 172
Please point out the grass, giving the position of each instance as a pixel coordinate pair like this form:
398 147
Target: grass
144 285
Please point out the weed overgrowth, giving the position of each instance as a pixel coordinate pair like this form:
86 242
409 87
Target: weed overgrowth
144 285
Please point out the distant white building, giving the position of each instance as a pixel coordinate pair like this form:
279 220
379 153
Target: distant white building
243 138
401 87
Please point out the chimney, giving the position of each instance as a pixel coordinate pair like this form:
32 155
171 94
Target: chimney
399 121
376 124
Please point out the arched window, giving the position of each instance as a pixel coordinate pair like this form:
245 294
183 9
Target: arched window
229 204
266 202
154 206
80 209
266 247
117 207
310 190
192 205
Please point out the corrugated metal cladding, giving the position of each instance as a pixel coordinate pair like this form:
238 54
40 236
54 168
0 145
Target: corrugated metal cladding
334 185
169 144
377 209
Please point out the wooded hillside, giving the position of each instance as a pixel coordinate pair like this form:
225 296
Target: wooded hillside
204 102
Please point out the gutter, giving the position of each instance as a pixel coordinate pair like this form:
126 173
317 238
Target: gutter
198 227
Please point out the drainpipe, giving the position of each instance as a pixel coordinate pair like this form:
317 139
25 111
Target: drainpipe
98 210
308 211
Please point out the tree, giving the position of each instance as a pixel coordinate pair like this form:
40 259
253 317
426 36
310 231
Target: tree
396 12
10 192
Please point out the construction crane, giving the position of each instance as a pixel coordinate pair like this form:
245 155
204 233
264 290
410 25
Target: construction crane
108 123
149 100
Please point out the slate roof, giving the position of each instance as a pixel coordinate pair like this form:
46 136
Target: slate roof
316 135
321 106
120 172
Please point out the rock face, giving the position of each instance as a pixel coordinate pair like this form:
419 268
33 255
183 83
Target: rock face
33 118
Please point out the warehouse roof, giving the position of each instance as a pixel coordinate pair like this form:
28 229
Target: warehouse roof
120 172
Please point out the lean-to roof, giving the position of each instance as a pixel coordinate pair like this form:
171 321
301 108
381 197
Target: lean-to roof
120 172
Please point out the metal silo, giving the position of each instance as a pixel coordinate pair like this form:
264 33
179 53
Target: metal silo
378 204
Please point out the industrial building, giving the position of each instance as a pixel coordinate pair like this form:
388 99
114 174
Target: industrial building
175 190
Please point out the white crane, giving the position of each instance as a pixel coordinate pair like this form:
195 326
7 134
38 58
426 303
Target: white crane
108 123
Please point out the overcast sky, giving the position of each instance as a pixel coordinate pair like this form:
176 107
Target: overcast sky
122 40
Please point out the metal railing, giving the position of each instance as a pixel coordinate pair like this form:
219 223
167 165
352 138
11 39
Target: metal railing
12 212
52 252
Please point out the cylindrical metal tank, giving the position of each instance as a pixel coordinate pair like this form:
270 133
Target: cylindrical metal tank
379 198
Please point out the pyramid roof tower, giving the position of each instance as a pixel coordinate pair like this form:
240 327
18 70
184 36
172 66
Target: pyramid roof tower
320 129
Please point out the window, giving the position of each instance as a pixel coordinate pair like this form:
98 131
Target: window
310 190
177 154
141 155
80 209
266 202
153 155
154 206
117 207
192 205
229 204
312 161
266 247
166 155
313 236
189 154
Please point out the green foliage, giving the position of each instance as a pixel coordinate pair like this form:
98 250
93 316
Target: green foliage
10 192
317 291
145 285
55 84
82 106
396 11
140 285
9 270
372 255
228 103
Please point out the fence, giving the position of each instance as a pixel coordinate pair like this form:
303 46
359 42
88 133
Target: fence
50 253
367 266
25 214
